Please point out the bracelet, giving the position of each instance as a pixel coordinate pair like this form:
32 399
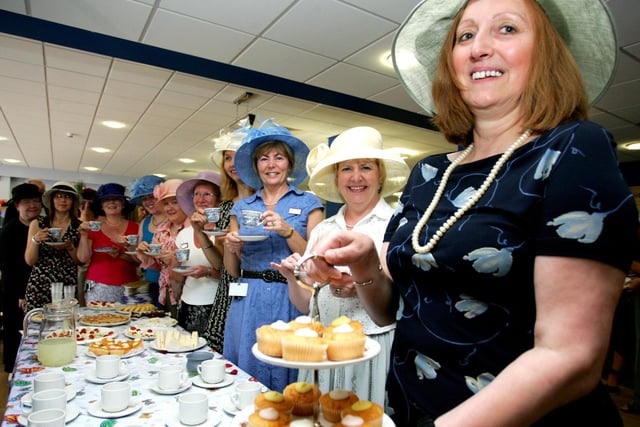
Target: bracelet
367 282
291 231
34 240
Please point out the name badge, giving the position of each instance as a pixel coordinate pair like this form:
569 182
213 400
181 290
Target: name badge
237 289
295 211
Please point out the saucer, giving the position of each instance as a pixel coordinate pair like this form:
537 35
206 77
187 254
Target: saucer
228 380
183 268
72 412
214 232
90 375
185 385
104 249
173 419
54 243
130 252
95 409
229 407
253 238
71 393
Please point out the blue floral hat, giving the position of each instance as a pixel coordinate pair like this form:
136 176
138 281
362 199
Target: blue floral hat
143 187
269 131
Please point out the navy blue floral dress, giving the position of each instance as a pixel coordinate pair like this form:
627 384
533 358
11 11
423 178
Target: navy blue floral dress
468 306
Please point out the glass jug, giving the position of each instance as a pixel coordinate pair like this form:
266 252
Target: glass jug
57 332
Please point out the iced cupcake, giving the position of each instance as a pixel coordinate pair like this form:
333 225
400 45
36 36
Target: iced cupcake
303 345
303 396
269 337
370 412
334 402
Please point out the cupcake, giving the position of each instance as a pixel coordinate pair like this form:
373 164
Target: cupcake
334 402
352 421
370 412
268 417
269 337
303 345
275 400
344 320
344 342
306 322
304 397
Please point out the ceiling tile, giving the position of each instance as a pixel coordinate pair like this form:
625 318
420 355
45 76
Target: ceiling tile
396 10
352 80
20 49
76 61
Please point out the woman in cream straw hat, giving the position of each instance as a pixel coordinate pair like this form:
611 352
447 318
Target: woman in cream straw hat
272 161
357 171
508 256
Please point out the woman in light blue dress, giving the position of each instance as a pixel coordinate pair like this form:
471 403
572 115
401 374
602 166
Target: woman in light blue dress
272 161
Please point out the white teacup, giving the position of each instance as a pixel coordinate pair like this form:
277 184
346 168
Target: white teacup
212 214
108 366
47 418
193 408
182 255
155 248
55 398
171 377
132 239
245 393
95 225
115 396
251 219
212 371
48 381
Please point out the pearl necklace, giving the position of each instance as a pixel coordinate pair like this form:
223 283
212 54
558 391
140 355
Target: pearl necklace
462 210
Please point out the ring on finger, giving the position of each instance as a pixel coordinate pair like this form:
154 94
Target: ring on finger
338 291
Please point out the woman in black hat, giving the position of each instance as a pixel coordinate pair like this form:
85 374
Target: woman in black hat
54 259
110 266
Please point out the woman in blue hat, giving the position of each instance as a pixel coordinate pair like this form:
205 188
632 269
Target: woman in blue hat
111 267
142 195
272 161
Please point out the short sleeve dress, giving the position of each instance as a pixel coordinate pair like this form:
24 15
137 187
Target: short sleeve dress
469 304
53 265
265 302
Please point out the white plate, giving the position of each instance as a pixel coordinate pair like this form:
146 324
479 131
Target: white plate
132 353
130 252
123 322
156 322
71 393
229 407
185 385
128 333
182 269
242 417
90 375
256 238
115 306
201 343
99 334
95 409
371 349
72 412
104 249
173 420
199 382
214 232
54 243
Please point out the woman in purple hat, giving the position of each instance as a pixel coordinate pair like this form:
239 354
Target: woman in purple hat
110 267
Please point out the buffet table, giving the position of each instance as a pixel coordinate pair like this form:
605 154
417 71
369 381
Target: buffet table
150 407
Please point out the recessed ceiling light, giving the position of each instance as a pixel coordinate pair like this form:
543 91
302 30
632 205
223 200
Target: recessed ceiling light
160 175
11 160
186 160
405 60
634 145
3 138
100 150
386 60
91 168
113 124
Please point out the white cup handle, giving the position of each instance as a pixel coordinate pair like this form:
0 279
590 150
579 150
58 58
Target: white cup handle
235 399
199 369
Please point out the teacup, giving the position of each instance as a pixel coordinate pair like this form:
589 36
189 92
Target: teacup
212 214
193 408
55 233
55 398
182 255
155 248
95 225
212 371
251 219
108 366
132 239
47 418
171 377
194 359
245 393
48 381
115 396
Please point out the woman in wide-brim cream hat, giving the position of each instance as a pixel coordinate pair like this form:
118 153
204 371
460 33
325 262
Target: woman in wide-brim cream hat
357 171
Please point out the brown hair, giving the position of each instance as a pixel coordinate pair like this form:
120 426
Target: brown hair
228 187
554 95
382 171
73 212
279 147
